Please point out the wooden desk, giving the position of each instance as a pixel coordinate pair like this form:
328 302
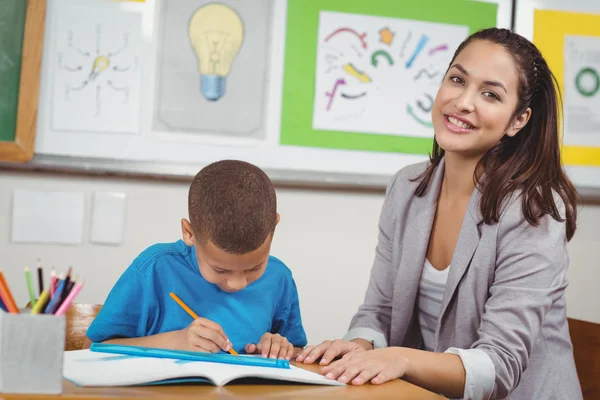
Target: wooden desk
398 389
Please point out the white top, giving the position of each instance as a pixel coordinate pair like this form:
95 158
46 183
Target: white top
479 369
431 294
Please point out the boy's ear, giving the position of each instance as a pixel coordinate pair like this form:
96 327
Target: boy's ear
187 233
277 219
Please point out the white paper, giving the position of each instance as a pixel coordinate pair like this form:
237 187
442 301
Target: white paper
87 368
380 75
47 217
96 71
582 91
108 218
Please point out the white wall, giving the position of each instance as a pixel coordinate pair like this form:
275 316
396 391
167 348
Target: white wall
326 238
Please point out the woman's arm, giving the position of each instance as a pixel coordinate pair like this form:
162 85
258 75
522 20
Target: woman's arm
438 372
373 318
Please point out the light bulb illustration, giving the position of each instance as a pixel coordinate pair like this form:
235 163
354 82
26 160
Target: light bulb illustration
100 64
216 32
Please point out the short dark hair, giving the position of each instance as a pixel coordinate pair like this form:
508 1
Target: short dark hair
233 204
529 161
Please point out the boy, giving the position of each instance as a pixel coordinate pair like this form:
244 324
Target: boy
245 298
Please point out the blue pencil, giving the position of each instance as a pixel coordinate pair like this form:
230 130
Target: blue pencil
57 298
2 306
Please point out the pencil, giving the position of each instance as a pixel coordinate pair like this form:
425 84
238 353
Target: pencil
2 306
69 286
6 296
56 299
40 278
30 287
65 305
67 282
52 282
41 302
193 314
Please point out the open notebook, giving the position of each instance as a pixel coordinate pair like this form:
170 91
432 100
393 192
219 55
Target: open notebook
87 368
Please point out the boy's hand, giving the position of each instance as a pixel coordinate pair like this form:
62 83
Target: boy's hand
272 346
204 335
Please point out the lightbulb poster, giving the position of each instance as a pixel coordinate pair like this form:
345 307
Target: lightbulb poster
212 68
97 74
371 70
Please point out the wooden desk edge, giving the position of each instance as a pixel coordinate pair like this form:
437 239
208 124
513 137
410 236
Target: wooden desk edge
240 391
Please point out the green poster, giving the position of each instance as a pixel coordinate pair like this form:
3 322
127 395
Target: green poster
362 75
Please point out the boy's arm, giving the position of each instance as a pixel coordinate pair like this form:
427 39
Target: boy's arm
201 335
129 309
288 321
167 340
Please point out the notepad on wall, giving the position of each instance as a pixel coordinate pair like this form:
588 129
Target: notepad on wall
87 368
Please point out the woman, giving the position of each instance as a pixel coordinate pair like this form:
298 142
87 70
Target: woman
466 296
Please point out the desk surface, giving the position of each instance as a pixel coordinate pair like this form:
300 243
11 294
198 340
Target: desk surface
395 389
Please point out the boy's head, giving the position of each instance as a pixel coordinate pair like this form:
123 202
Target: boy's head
233 214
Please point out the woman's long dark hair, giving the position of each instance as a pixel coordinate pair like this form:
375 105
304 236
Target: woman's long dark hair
529 161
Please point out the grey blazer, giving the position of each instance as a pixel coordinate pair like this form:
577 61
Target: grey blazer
504 294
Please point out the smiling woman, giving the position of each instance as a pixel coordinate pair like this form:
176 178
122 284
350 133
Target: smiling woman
466 296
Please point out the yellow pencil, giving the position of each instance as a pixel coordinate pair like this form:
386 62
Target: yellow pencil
193 314
40 303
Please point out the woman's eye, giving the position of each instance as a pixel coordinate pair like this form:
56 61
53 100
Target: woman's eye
492 95
456 79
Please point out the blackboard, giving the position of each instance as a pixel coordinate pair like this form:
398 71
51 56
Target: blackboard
21 33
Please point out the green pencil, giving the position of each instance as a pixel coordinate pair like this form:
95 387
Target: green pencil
30 287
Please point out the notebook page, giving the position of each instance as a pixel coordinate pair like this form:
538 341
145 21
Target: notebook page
87 368
221 374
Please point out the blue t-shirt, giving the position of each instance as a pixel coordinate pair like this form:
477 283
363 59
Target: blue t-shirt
139 304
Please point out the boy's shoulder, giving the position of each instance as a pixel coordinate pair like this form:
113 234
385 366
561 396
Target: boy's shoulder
161 254
278 267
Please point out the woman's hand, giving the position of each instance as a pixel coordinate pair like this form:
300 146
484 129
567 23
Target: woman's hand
377 366
329 350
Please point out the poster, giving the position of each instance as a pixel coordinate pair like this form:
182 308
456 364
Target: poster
380 75
569 41
97 72
354 79
582 91
212 68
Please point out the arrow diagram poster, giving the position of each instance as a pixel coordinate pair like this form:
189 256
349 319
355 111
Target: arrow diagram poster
375 76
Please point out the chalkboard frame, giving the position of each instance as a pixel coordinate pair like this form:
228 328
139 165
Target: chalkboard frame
21 149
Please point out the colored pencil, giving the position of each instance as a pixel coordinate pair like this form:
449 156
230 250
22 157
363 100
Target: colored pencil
40 272
193 314
52 282
56 299
65 305
30 287
2 306
67 282
6 296
41 302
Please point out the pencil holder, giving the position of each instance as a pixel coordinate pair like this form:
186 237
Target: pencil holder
31 353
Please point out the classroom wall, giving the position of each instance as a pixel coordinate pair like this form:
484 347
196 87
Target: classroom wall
327 238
